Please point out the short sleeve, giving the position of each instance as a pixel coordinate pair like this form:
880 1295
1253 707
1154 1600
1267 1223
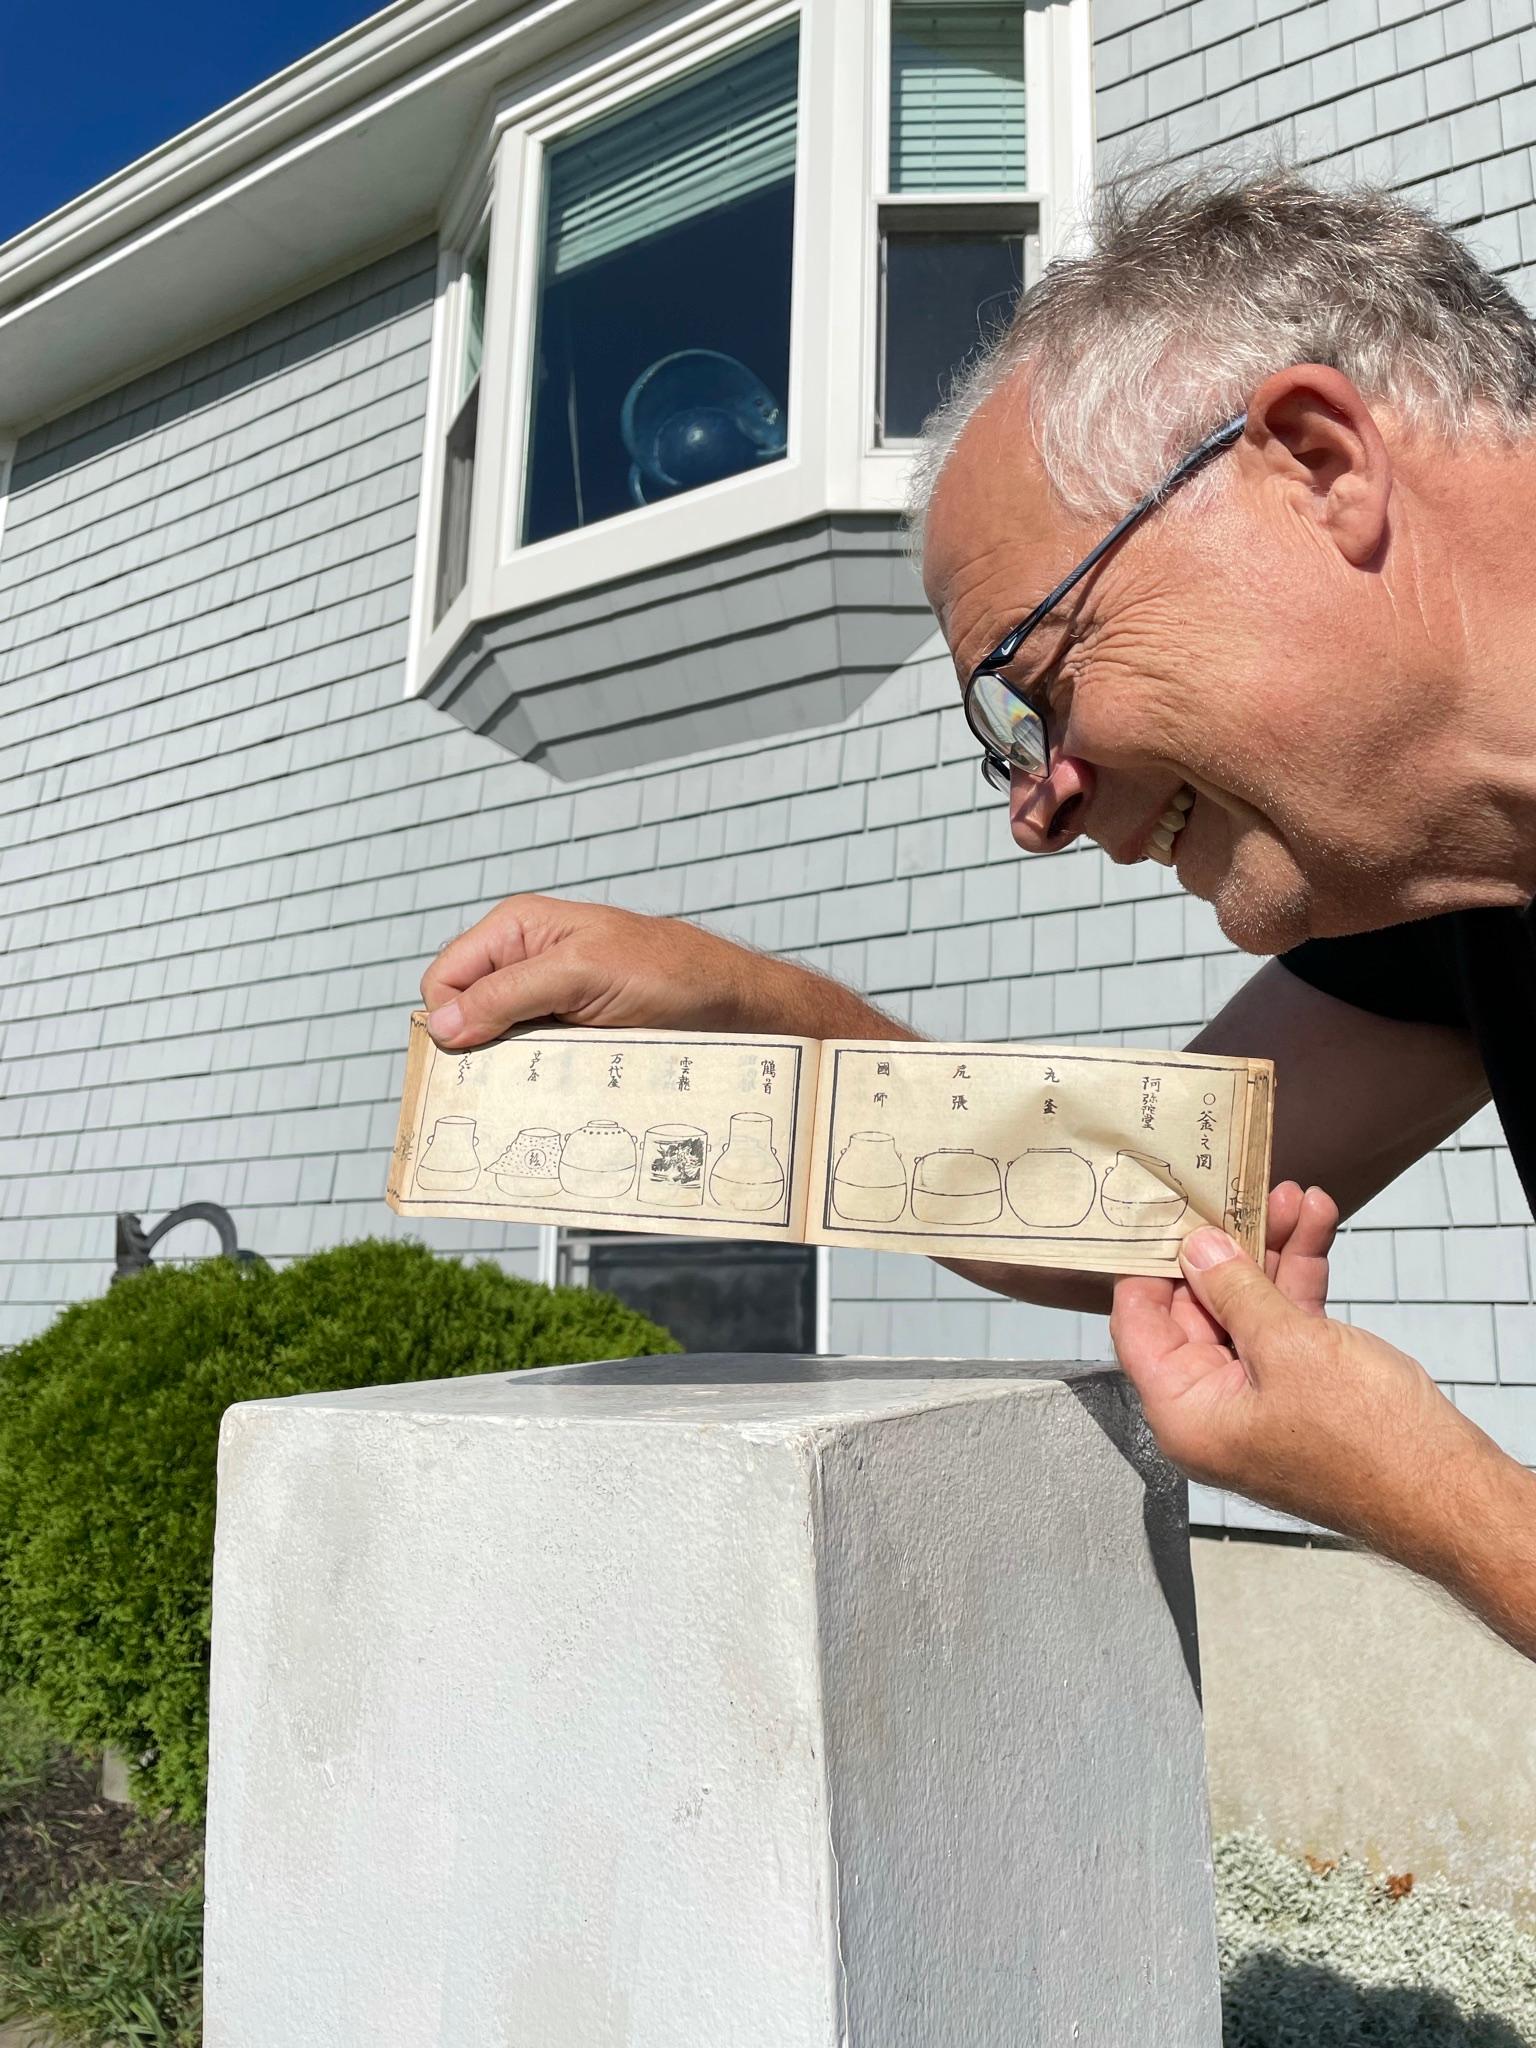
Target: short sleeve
1407 971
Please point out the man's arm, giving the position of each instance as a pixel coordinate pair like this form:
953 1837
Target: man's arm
1247 1384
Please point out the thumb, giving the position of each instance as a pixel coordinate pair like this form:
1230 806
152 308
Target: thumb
1227 1283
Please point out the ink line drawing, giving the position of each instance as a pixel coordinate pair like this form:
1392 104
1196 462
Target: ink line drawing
672 1158
1051 1188
451 1162
528 1170
1140 1192
748 1174
869 1184
598 1161
956 1186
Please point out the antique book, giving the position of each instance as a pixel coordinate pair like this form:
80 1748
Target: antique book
1100 1159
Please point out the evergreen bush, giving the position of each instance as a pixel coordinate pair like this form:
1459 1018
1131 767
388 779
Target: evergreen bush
109 1424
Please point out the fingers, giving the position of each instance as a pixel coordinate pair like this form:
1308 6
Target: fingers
555 984
1284 1208
1301 1271
1244 1301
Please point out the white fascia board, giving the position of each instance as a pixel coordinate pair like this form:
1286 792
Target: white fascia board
344 153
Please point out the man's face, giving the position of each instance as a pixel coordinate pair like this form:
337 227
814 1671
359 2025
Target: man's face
1224 651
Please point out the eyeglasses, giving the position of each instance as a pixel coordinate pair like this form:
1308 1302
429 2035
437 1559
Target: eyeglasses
1013 731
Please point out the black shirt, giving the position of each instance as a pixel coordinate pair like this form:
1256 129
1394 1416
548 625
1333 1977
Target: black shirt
1473 968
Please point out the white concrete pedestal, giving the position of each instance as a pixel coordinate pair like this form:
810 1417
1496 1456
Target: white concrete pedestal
707 1703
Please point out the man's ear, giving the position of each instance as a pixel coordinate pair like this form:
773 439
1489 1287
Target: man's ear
1311 429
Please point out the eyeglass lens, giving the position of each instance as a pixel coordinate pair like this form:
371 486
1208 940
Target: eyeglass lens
1009 726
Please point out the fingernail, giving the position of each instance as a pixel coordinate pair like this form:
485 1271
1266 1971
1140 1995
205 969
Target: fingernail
1205 1248
446 1022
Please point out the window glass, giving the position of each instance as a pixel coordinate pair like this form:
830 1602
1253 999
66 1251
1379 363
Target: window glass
946 291
957 98
474 318
463 430
662 344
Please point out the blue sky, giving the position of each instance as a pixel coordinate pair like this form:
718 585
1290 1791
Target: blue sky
85 87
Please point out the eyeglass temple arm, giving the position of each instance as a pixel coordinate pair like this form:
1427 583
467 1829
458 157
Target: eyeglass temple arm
1197 457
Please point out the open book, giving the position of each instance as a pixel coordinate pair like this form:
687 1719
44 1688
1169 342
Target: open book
1032 1155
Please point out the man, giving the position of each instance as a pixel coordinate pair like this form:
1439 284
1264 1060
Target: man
1289 440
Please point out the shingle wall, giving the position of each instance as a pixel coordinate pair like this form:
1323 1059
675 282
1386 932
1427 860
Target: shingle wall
228 844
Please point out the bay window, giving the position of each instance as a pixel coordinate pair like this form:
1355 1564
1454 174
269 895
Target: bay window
702 280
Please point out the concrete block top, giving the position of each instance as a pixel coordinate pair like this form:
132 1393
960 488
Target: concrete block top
764 1392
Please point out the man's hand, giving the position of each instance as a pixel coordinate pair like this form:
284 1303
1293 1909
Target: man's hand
583 963
1248 1384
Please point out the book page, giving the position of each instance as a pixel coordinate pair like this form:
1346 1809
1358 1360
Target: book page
1100 1160
684 1134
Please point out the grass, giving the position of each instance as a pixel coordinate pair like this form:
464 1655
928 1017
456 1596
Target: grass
100 1907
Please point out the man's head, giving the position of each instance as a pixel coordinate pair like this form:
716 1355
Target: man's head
1288 637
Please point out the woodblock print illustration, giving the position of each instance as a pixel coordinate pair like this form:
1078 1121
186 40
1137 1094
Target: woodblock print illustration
536 1092
451 1162
1051 1187
956 1186
870 1183
1060 1119
748 1175
1141 1193
672 1158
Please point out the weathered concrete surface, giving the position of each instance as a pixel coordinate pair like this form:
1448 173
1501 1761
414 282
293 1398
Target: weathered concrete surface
773 1702
1350 1706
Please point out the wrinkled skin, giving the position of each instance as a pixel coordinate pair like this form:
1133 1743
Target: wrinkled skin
1314 638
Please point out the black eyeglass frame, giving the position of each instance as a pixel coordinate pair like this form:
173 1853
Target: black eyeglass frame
995 766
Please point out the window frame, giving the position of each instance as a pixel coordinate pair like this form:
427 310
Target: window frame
834 461
1058 163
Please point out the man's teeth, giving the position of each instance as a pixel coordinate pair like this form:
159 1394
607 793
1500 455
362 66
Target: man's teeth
1169 826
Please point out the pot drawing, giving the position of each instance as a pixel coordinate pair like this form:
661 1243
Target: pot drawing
869 1184
956 1186
672 1160
1051 1188
529 1169
747 1175
451 1162
598 1161
1141 1193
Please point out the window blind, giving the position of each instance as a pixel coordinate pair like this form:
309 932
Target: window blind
717 138
957 98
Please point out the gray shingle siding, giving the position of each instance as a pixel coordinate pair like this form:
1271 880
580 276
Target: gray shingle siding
227 843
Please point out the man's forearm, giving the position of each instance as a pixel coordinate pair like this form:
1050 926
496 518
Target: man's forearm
1480 1541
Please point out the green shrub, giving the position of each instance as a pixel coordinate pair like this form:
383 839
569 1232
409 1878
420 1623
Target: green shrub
109 1428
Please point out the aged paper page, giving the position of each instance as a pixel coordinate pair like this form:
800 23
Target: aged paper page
1038 1155
694 1134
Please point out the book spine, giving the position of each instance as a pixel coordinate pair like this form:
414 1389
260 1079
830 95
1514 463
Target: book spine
1250 1201
418 1056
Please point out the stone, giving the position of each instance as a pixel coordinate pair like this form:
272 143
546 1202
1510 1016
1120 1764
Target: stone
772 1701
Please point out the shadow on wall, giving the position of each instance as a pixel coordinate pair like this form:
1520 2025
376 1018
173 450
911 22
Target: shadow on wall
1272 2001
315 324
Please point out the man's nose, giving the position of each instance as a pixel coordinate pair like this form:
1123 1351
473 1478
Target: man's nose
1047 812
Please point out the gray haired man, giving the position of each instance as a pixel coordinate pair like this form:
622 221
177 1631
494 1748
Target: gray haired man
1299 672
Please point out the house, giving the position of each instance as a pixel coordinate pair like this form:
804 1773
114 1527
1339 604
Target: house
353 575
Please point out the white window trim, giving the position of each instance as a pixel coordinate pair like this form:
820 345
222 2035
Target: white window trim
832 463
7 460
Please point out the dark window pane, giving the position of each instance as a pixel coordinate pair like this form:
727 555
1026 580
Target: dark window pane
945 293
662 352
458 487
713 1296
